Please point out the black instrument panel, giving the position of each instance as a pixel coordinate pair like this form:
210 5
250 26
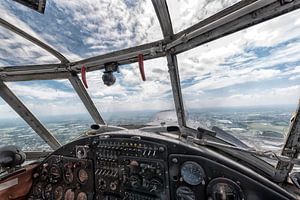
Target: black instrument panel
143 166
62 177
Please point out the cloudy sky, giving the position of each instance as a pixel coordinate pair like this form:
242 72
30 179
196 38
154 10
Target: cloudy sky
255 67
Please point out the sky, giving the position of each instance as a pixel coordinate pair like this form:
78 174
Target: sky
259 66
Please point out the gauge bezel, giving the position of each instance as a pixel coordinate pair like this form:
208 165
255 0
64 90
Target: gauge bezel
78 175
70 172
70 192
81 193
55 179
194 164
187 189
46 191
223 180
59 189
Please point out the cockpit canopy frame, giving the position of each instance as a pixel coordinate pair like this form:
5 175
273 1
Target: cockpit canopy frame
232 19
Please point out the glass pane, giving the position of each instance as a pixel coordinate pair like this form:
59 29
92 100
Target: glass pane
15 50
247 83
15 131
80 29
132 101
56 105
185 13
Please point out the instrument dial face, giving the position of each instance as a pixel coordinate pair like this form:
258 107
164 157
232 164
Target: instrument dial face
69 177
223 188
69 195
38 189
83 175
58 193
44 174
55 174
48 192
185 193
102 184
82 196
192 173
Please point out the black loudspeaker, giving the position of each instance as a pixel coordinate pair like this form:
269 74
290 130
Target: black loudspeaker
11 156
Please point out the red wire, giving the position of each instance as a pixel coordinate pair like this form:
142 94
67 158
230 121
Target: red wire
83 76
141 66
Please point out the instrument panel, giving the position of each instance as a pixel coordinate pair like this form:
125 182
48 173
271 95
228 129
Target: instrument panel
144 167
64 177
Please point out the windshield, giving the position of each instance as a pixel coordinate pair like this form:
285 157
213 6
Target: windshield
130 101
80 30
247 83
15 131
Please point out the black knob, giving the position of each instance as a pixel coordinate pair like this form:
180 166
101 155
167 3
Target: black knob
135 181
95 126
155 185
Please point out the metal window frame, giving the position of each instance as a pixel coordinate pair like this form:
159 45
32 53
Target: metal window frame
25 113
242 15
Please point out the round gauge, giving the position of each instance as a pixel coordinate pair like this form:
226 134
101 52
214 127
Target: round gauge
156 185
83 175
69 177
58 193
135 181
38 189
185 193
44 174
82 196
102 184
55 174
192 173
223 188
69 195
48 192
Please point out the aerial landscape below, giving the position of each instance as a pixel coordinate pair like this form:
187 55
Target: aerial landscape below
263 128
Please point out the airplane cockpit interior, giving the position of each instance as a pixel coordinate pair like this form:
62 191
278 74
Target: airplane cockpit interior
170 159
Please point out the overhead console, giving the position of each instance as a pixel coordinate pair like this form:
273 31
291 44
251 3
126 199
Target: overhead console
145 166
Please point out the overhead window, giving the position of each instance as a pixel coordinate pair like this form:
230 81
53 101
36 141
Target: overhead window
81 29
185 13
16 50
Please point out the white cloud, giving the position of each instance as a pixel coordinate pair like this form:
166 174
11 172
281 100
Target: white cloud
275 31
67 108
6 112
130 93
273 96
185 13
16 50
128 25
37 92
44 101
233 59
